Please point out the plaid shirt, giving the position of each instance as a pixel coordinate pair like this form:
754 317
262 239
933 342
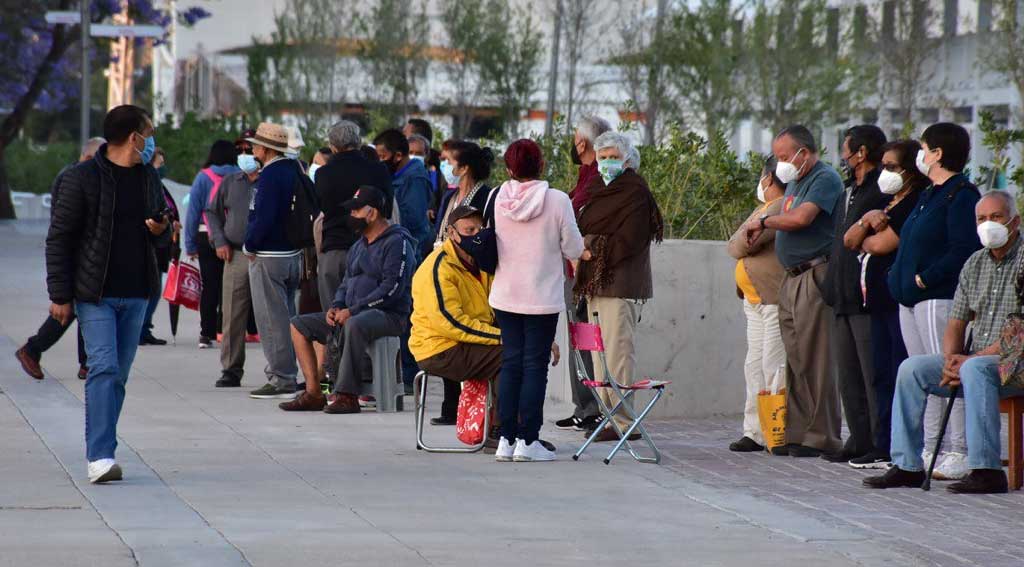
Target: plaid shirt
988 293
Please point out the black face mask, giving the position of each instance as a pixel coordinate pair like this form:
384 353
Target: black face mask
482 248
356 224
575 154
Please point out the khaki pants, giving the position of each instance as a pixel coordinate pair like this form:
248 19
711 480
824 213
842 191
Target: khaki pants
236 303
812 399
618 318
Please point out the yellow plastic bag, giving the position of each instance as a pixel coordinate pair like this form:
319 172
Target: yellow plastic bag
771 411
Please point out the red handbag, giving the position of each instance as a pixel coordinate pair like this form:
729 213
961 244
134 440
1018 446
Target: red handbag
184 286
469 426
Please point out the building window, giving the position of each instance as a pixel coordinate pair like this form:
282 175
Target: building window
963 114
898 115
869 116
928 115
1000 114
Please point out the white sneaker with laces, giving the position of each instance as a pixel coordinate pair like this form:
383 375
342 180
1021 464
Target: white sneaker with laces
533 453
952 466
104 470
505 451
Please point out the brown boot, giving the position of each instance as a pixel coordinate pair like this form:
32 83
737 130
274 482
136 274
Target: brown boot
28 363
342 403
305 402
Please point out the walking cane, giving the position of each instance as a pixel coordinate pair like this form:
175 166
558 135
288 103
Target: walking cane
927 484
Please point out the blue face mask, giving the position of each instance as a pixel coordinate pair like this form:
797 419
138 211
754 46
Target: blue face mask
248 163
610 169
148 149
449 173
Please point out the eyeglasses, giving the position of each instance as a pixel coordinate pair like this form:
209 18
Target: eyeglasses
893 167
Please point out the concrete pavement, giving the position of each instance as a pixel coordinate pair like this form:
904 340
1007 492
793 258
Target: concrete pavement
215 478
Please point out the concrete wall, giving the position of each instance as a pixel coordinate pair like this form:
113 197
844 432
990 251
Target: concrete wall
692 332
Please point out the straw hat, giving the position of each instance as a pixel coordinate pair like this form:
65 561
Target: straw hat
273 136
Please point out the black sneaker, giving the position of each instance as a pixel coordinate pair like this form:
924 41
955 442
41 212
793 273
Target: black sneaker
745 445
149 339
205 342
872 461
444 420
571 422
841 456
228 381
981 481
895 477
269 391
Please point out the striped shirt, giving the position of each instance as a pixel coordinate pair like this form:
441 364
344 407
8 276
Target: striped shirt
987 293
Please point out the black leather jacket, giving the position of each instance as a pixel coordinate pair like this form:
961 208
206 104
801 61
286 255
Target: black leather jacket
81 225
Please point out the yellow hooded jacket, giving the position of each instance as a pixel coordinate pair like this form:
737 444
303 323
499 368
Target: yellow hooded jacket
449 305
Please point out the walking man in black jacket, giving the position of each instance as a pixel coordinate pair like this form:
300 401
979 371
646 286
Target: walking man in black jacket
101 264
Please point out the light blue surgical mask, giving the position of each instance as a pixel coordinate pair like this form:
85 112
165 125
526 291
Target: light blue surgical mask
248 163
610 169
449 173
148 149
312 171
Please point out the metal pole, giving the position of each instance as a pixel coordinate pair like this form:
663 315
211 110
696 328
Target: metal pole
84 117
549 123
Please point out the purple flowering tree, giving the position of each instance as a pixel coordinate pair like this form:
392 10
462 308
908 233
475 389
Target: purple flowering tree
39 75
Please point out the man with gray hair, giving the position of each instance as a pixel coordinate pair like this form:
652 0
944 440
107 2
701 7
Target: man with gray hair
986 294
586 414
803 241
336 182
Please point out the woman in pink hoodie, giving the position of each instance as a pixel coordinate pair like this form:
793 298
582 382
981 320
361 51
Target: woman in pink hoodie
536 230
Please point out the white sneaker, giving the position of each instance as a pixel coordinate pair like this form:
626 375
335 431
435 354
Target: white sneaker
104 470
505 451
538 451
953 466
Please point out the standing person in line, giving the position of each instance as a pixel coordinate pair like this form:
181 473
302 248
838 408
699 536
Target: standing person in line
164 254
31 353
877 237
586 414
935 242
221 161
536 231
805 229
228 217
758 276
861 154
619 224
274 264
468 167
100 255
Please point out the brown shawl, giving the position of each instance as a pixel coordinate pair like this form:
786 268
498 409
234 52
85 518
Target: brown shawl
619 222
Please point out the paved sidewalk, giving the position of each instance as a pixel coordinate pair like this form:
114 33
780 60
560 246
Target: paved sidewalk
215 478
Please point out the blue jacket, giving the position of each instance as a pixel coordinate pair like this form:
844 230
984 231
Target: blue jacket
271 199
413 192
198 198
378 275
935 242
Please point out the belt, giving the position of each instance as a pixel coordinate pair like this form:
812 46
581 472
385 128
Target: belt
801 268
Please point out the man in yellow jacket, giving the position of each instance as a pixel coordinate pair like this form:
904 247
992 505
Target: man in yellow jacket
453 333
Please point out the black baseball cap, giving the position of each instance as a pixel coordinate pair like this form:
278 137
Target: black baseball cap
366 195
463 211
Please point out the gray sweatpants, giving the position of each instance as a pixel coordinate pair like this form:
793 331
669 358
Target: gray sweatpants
330 269
274 282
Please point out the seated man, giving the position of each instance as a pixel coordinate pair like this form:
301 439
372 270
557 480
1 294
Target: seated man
453 330
985 295
373 301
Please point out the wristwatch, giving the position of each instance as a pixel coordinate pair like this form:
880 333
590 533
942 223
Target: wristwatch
861 224
919 282
762 219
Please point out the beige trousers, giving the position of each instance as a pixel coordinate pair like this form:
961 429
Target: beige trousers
618 319
236 300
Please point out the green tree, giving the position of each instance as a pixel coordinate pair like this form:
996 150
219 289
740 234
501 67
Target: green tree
509 61
1005 47
393 54
465 25
644 67
909 57
581 19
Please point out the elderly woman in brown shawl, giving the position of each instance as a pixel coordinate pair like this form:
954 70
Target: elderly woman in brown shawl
614 274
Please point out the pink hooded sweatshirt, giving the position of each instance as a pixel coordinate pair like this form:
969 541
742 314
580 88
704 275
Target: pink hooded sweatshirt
536 230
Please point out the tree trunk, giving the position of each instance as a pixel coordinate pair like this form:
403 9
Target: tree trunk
63 37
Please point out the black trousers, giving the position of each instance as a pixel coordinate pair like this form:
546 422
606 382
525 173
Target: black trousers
48 334
852 352
211 269
889 352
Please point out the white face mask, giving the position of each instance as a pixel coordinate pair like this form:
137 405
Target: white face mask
312 171
418 158
993 234
921 165
890 182
760 191
786 171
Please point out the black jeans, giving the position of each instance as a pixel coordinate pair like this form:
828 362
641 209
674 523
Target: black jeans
526 348
889 352
48 334
211 269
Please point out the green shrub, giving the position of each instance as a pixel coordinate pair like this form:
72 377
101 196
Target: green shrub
187 146
32 168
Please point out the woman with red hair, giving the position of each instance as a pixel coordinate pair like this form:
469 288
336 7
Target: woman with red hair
535 230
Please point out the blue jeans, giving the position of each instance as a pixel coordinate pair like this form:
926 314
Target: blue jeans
525 351
111 331
981 388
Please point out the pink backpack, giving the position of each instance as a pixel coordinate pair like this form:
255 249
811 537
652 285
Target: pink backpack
213 190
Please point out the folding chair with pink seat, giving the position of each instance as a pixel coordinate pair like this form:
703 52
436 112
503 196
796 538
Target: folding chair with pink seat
586 337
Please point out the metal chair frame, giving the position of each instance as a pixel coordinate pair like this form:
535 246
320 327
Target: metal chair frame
420 395
623 392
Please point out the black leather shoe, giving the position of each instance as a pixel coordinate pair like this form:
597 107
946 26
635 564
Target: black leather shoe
745 445
227 381
981 481
895 477
841 456
151 340
802 451
780 450
443 420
